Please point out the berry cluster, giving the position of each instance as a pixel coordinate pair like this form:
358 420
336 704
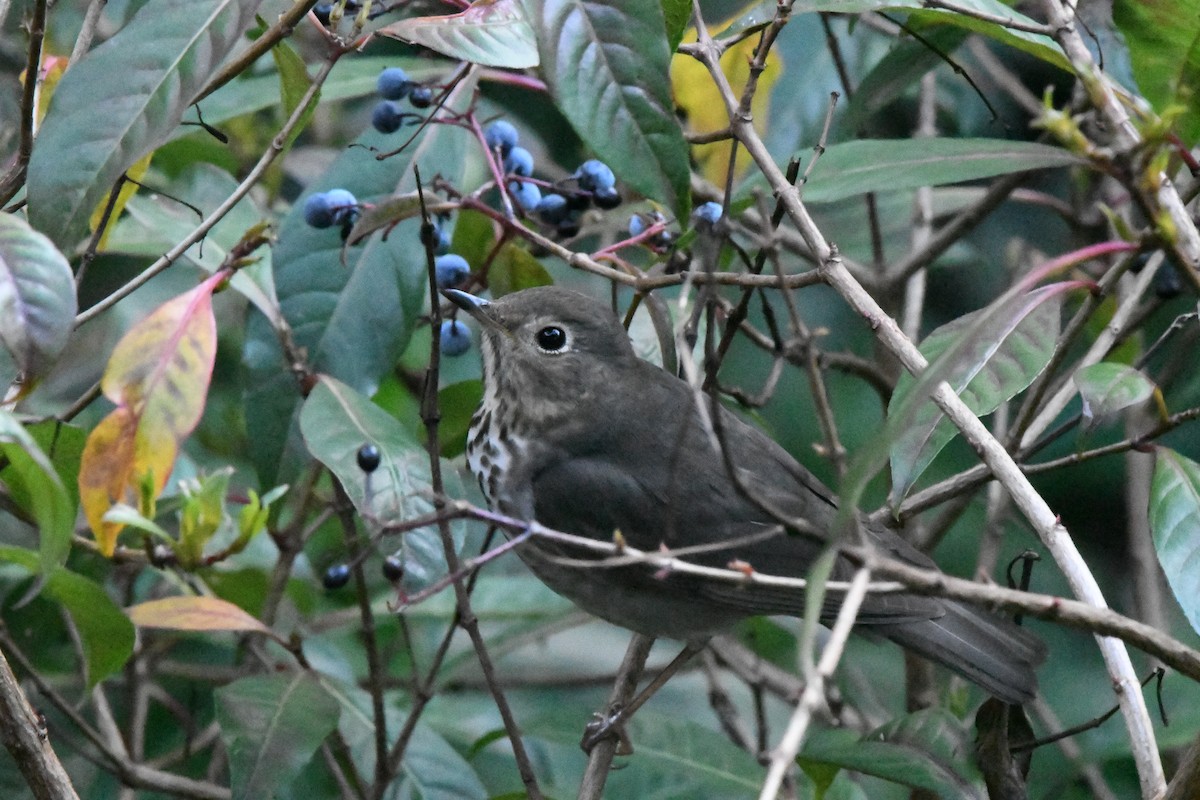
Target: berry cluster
335 207
394 85
594 182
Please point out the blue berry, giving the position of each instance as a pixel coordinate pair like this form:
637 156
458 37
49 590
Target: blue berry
421 96
368 458
455 337
450 270
637 225
593 175
1168 283
527 195
343 206
336 576
553 208
519 161
321 10
502 134
318 210
393 83
387 117
707 213
607 197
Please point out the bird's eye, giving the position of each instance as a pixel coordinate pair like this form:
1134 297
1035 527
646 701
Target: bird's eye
551 338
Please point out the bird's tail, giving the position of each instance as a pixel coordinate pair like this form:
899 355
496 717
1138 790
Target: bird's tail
986 649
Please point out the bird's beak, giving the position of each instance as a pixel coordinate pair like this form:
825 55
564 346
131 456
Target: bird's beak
477 307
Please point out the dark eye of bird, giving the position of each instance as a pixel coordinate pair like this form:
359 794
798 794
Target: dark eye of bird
551 338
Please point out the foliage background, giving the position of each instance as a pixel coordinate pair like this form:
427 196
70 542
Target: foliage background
288 699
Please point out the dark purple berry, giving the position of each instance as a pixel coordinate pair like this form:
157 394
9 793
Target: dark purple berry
336 576
368 458
387 117
552 208
607 198
1168 283
421 97
321 11
568 227
393 568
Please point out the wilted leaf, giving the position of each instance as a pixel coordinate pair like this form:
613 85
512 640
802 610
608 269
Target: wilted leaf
494 33
1175 524
606 63
37 299
271 726
158 377
991 365
194 613
79 153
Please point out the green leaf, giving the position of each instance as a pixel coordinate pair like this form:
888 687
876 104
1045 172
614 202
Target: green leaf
995 356
606 64
35 485
293 84
271 726
853 168
693 760
494 33
1175 525
155 223
1107 388
457 404
37 299
1164 46
899 70
336 421
514 269
678 16
432 769
354 316
143 78
923 750
104 631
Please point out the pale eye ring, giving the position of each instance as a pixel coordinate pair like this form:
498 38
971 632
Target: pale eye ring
551 339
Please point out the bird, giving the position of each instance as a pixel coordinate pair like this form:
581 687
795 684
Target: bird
577 433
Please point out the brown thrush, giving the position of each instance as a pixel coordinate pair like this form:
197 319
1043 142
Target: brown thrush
578 433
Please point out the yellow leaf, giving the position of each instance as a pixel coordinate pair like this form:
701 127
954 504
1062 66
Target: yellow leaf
697 95
128 190
194 614
158 378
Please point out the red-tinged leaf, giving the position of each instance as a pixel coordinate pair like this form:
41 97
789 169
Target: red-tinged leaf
494 33
158 377
194 614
